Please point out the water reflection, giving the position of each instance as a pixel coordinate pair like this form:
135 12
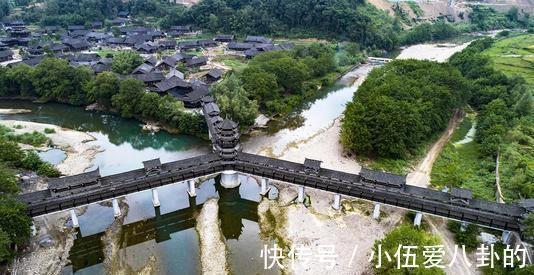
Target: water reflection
171 235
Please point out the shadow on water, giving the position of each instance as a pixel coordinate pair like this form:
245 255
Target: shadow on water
171 236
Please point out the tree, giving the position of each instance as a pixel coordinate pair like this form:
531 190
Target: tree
260 84
406 236
529 222
14 221
126 101
400 106
102 88
55 79
8 181
234 102
124 62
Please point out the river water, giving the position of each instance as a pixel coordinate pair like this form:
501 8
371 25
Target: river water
168 234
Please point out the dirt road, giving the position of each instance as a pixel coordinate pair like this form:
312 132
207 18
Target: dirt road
420 176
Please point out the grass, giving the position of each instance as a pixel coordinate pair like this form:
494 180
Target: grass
34 138
235 63
514 56
104 53
460 165
415 8
49 131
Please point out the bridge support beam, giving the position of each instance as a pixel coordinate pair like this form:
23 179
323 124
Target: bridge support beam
418 218
229 179
192 189
337 202
155 198
74 218
376 211
264 186
300 197
116 208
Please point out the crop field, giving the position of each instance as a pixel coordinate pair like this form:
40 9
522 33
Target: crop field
514 55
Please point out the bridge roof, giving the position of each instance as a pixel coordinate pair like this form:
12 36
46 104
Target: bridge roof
382 177
79 179
151 164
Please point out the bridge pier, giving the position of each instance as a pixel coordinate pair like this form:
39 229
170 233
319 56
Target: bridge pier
300 197
229 179
192 189
264 186
418 218
506 237
376 211
463 226
116 208
155 198
74 218
337 202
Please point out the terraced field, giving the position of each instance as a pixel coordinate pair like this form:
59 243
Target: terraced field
514 55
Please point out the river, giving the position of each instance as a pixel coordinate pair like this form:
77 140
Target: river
168 233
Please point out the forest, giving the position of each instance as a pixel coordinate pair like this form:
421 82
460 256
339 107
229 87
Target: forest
55 80
401 106
504 126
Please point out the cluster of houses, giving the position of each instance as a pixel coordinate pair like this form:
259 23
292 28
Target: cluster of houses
161 76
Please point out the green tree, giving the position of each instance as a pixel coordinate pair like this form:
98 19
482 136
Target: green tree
127 99
8 181
400 106
234 102
55 79
5 250
529 222
124 62
14 221
406 236
102 88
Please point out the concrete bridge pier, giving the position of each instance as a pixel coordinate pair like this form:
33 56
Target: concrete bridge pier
337 202
376 211
229 179
155 198
300 197
192 189
506 237
264 186
116 208
74 218
418 218
463 226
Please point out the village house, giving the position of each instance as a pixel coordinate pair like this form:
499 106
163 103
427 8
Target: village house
197 61
258 39
174 85
150 79
224 38
6 55
213 75
143 69
239 46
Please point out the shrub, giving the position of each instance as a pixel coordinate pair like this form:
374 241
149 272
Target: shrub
49 131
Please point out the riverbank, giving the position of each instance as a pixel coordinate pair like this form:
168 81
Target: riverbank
14 111
212 247
76 145
49 248
433 52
